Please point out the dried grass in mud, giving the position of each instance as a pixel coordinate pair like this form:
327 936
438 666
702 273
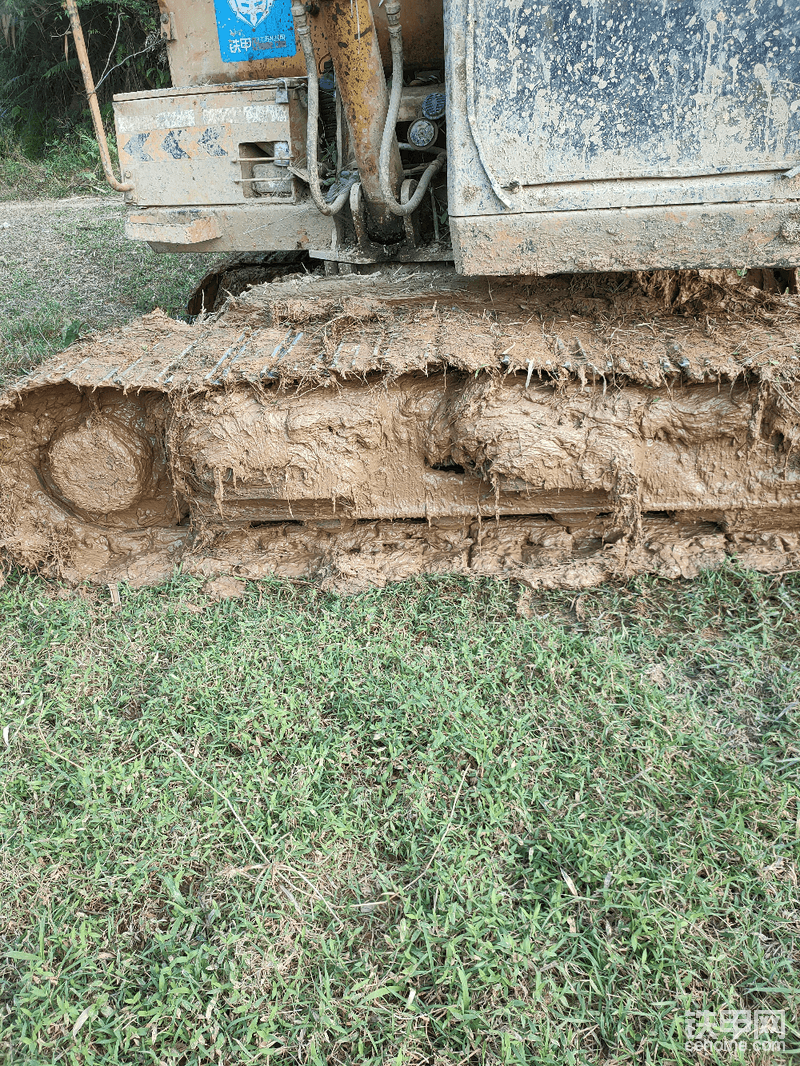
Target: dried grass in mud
366 429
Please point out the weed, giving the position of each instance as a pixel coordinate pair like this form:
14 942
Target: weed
26 340
67 167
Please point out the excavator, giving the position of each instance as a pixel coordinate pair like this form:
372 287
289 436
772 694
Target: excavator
528 305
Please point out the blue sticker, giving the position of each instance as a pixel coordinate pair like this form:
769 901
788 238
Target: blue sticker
255 29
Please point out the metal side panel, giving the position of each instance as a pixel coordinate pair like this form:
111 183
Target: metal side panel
182 148
594 91
639 238
618 89
580 106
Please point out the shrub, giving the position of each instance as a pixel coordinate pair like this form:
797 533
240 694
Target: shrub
41 88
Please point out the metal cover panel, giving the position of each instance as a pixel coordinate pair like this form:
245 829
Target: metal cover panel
184 149
574 90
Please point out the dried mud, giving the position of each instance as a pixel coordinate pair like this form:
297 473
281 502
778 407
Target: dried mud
562 432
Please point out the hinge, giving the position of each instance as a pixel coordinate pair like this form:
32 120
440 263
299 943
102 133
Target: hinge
168 27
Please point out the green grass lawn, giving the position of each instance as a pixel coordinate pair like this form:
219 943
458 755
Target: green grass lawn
442 823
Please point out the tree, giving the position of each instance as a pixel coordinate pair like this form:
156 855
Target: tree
41 88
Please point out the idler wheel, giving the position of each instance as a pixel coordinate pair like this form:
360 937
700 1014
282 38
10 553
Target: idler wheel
102 465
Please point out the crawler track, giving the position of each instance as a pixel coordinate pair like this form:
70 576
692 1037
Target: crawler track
364 429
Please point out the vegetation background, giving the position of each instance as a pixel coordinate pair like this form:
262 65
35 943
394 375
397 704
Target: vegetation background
47 147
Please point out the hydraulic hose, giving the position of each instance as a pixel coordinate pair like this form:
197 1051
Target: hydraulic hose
312 130
392 9
94 107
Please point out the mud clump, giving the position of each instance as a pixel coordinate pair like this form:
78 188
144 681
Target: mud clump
225 588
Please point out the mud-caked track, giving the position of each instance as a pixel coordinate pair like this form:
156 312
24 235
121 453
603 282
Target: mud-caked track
363 429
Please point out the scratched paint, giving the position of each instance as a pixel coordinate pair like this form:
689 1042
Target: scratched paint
255 113
161 120
571 90
190 143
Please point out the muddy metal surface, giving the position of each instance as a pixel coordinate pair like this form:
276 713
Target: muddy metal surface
364 429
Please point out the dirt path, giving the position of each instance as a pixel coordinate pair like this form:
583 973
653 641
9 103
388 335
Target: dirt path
50 247
70 204
67 266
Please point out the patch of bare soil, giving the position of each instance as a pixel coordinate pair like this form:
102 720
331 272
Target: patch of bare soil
225 588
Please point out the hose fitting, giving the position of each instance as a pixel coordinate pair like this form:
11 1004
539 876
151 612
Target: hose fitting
312 127
392 9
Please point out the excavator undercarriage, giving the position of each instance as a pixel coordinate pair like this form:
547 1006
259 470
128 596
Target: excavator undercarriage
529 305
356 430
